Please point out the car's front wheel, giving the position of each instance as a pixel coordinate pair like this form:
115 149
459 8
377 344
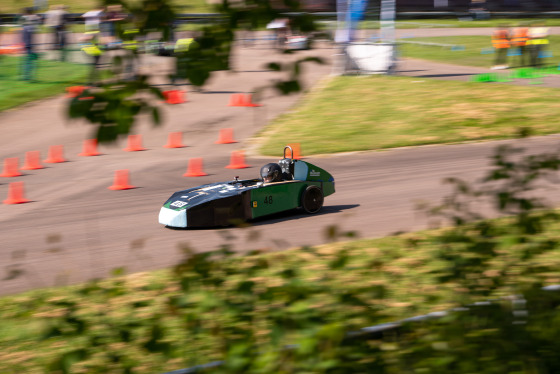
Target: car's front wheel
312 199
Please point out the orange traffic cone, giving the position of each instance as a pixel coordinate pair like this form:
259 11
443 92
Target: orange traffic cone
121 181
174 96
32 161
166 95
175 140
226 137
15 194
14 49
248 101
56 154
236 100
75 91
237 160
297 151
10 168
195 168
134 143
89 148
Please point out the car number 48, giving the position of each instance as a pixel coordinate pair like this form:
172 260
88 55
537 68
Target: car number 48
268 200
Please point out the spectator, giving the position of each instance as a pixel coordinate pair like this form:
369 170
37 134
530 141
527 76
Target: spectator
93 19
29 22
500 42
93 50
519 38
538 40
56 20
114 14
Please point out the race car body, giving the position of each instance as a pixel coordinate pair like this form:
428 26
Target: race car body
225 203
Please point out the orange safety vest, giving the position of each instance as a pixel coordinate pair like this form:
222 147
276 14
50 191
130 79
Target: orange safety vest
520 36
500 39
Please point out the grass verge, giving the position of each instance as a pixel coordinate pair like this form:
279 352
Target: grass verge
51 79
377 112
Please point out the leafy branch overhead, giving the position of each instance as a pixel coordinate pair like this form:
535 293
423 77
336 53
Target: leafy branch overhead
294 70
113 104
115 107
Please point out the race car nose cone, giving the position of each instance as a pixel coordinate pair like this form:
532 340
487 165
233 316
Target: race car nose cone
173 218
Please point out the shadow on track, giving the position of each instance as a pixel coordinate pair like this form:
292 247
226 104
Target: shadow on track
299 214
274 218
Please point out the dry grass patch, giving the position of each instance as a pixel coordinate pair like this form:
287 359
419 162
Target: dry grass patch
383 112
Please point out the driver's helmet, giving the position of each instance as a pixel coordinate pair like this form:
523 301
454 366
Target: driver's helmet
271 173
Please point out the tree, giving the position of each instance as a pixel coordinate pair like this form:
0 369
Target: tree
113 105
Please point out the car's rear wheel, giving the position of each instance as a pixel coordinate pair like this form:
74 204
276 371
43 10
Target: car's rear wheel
312 199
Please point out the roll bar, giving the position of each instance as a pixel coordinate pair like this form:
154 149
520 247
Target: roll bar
290 148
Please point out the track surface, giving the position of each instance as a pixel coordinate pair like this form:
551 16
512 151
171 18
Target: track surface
76 229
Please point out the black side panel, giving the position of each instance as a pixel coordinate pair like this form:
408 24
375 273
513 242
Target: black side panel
247 205
219 212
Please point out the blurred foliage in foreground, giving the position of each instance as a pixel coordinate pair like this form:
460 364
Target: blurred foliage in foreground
291 311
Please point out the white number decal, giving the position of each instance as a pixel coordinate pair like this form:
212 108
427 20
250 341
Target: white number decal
178 204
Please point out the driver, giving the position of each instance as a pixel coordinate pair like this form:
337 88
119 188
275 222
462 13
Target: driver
271 173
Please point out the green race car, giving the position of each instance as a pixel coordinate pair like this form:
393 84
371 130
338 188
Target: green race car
286 185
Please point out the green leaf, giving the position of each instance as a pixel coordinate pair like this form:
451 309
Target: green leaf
246 287
117 272
274 66
156 116
317 60
65 362
157 92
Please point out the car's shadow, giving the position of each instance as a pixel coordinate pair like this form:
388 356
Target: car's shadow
293 214
299 214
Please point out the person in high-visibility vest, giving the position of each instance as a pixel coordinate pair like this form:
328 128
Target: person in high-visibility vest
131 44
182 57
93 50
538 40
501 43
519 38
29 24
183 45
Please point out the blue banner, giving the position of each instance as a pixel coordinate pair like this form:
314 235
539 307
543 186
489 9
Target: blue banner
357 9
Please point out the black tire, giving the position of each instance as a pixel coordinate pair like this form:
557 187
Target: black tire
312 199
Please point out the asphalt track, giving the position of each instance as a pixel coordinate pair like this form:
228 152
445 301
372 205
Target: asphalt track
76 229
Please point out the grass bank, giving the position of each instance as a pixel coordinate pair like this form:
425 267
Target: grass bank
475 52
166 320
376 112
52 77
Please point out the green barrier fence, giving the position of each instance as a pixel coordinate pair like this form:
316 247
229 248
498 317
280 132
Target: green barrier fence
534 74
